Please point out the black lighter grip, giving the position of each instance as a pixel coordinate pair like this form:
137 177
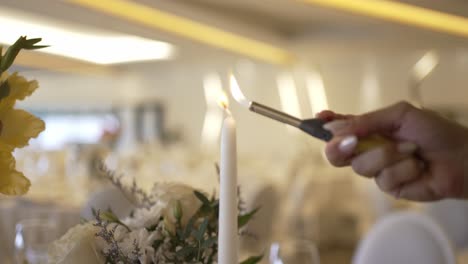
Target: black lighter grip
314 127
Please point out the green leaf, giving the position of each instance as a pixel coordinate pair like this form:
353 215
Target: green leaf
186 251
157 243
109 217
209 242
188 228
242 220
252 260
13 51
4 89
202 198
177 211
201 230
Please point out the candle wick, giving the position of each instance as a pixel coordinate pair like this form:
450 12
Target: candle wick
226 110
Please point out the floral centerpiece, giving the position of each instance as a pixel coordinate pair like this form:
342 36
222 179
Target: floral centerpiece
17 126
174 223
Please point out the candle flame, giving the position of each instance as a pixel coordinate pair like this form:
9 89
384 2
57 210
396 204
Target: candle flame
223 100
237 93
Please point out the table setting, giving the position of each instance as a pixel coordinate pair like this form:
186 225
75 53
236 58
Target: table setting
158 203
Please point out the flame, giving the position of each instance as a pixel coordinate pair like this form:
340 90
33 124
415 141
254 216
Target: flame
223 100
237 93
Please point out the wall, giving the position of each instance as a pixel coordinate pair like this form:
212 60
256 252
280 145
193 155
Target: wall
179 86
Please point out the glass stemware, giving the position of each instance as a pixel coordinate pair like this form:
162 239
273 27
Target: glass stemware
32 239
294 252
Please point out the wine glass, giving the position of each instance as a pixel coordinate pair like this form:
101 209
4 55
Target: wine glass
294 252
32 239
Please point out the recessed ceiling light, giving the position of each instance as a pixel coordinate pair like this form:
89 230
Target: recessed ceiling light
191 29
78 42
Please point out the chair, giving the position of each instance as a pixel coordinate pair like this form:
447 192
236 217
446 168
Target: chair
405 238
109 197
452 216
260 228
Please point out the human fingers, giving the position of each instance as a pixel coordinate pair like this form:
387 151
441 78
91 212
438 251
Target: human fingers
383 121
417 190
329 116
404 171
371 162
339 150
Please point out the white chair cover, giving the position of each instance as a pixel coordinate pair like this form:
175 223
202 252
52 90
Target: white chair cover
405 238
260 228
452 216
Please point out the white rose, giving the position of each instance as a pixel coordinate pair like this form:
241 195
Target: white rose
145 217
77 246
176 196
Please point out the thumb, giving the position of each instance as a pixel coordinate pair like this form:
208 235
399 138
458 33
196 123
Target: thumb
383 121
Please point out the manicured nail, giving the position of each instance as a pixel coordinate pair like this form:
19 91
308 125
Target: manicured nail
407 147
337 125
348 144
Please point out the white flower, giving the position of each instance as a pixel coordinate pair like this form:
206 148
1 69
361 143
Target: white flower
78 245
144 240
145 217
120 233
174 195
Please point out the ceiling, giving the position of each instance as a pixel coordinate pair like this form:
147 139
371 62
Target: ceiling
309 30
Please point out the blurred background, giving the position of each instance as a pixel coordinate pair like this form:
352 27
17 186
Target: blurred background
136 83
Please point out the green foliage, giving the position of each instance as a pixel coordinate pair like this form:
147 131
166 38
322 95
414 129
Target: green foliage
243 219
109 217
195 241
6 60
252 260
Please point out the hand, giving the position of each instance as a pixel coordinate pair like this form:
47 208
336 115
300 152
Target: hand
427 159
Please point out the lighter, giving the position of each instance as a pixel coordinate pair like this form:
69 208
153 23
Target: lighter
313 127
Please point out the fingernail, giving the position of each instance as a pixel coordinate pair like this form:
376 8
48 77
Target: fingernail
348 144
407 147
337 125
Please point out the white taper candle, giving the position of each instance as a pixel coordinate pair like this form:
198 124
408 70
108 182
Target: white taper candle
227 241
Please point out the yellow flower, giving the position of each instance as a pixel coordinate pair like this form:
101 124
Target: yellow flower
17 127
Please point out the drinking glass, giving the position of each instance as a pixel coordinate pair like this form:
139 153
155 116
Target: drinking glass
294 252
32 239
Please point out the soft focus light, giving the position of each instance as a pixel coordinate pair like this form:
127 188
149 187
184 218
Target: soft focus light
401 13
215 97
237 93
316 91
211 127
288 95
187 28
100 47
213 89
425 65
370 89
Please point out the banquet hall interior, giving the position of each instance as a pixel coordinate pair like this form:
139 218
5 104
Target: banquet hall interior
134 87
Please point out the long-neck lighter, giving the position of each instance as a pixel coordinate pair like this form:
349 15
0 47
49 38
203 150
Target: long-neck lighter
313 127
